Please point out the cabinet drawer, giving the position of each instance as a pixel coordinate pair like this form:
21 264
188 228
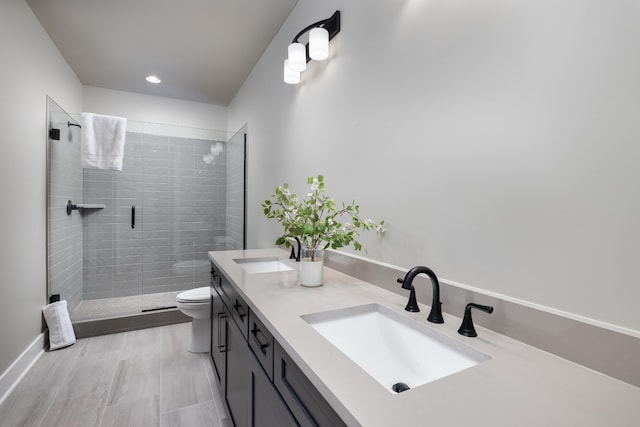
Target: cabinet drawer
305 402
226 291
261 342
238 309
214 281
240 314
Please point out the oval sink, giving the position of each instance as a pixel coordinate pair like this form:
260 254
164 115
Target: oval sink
392 348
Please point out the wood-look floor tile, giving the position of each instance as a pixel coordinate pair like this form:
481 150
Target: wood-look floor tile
184 383
50 368
142 413
25 409
141 343
103 344
218 399
203 414
135 379
81 411
138 378
91 373
175 340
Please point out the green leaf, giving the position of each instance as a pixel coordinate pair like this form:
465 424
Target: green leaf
315 219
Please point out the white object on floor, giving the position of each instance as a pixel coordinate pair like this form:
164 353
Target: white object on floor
196 303
102 141
60 328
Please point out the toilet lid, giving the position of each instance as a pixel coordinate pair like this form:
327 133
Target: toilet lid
195 295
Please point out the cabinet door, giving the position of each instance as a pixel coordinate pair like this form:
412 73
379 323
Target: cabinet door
306 403
218 340
237 387
266 407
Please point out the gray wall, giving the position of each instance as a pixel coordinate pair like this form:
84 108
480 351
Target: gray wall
32 68
498 139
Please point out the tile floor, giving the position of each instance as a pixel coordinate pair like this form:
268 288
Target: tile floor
138 378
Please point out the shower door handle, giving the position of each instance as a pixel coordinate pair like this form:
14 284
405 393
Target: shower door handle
133 216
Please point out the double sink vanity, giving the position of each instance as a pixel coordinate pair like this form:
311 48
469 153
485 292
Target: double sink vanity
338 354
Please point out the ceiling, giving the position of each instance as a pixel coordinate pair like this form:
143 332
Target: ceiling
203 50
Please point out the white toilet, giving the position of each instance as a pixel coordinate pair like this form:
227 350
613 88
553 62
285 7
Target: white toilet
196 303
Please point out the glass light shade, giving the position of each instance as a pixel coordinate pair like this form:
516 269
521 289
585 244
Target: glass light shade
216 148
290 76
297 57
319 44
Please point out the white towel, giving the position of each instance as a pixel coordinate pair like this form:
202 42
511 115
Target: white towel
60 328
102 141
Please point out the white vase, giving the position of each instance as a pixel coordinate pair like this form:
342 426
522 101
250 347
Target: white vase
311 266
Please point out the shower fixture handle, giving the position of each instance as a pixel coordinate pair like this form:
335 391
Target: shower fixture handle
133 216
71 207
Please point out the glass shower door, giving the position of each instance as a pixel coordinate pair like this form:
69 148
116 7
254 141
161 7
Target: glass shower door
112 239
184 182
64 182
235 214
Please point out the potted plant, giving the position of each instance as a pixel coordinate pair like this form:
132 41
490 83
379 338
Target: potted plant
318 223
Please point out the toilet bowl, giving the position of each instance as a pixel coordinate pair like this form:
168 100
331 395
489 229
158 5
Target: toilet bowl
196 303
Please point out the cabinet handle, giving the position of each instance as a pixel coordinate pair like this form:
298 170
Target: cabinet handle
133 216
239 310
222 332
254 333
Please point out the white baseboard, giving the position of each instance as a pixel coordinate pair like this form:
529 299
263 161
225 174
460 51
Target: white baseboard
19 368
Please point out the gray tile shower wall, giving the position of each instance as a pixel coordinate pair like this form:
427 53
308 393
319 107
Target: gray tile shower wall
64 249
179 215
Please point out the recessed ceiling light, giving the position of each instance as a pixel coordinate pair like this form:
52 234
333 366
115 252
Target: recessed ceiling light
153 79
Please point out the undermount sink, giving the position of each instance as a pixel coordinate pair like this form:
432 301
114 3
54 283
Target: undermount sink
393 348
263 265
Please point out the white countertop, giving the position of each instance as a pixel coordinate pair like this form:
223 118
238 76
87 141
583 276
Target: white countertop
520 385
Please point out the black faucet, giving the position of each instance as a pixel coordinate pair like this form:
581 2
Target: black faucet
467 328
435 316
293 252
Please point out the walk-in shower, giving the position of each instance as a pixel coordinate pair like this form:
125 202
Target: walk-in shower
135 238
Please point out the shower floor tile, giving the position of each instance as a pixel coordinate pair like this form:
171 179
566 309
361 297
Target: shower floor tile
113 307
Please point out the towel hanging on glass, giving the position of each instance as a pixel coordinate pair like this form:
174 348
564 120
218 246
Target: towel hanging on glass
103 140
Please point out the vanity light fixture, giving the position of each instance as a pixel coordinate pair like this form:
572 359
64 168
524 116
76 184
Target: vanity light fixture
152 79
317 49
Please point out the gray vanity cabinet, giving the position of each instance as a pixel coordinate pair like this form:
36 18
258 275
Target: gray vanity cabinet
304 400
218 331
219 327
237 387
266 407
260 383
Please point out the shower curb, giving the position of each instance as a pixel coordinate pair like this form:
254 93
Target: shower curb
112 325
